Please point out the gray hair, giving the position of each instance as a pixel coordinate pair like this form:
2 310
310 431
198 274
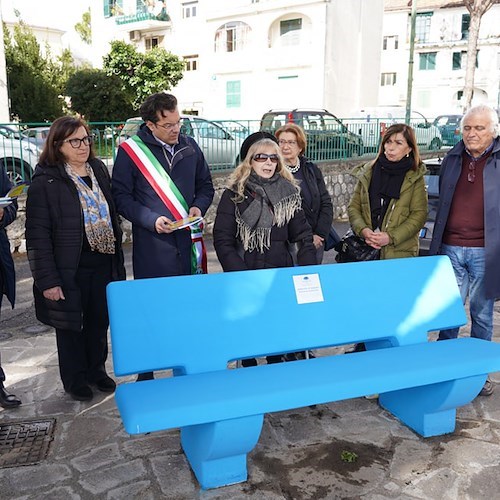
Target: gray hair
487 110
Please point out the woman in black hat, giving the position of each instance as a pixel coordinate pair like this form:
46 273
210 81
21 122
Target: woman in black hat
260 213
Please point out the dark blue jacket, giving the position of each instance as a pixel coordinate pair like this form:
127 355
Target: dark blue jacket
450 173
6 262
156 255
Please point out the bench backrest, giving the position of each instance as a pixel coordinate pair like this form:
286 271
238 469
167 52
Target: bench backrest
199 323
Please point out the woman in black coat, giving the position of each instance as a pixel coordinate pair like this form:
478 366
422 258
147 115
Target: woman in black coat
73 240
7 275
259 215
316 200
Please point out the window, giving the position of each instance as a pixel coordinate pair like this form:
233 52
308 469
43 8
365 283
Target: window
113 8
427 60
189 9
387 79
423 27
290 31
233 94
465 26
460 58
152 42
457 60
231 37
390 42
191 62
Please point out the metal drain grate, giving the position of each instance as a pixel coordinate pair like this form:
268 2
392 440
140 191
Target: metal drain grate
25 443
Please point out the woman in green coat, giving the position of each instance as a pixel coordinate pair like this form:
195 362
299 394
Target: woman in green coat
389 204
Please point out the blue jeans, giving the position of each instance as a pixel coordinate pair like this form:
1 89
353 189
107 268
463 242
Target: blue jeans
469 266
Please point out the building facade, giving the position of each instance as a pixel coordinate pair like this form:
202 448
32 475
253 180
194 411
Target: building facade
442 31
245 57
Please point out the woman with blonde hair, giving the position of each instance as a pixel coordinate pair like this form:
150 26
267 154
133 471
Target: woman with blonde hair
260 216
260 213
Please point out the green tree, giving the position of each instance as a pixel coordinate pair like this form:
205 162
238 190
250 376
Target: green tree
97 96
33 95
84 28
143 74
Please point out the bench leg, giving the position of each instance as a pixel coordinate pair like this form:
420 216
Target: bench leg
430 410
218 451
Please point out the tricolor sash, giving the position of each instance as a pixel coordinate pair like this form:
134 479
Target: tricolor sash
169 194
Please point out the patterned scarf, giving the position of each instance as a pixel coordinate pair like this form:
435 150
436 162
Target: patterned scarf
96 218
275 202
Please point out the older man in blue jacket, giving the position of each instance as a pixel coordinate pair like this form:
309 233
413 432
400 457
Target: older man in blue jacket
468 219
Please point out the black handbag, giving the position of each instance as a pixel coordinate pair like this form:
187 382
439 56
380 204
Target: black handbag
352 248
332 239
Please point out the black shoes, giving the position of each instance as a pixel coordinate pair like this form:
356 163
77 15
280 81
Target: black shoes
81 393
8 400
106 384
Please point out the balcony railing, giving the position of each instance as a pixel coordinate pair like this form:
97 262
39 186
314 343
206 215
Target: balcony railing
142 16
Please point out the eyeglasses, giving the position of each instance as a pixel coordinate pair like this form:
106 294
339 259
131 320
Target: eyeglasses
169 126
282 142
76 143
261 158
471 176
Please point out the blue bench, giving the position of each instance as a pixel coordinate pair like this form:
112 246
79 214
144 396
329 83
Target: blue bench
196 325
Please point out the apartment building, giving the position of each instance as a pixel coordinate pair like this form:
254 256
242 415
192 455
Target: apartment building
244 57
442 32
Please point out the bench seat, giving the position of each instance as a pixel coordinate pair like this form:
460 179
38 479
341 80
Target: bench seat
221 395
196 325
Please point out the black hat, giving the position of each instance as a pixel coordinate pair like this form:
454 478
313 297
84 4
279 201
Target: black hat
252 139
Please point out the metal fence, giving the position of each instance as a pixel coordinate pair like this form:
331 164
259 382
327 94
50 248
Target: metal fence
220 140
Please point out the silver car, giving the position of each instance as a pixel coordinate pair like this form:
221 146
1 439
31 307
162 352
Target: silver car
220 147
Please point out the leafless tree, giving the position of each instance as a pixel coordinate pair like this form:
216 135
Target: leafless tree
476 8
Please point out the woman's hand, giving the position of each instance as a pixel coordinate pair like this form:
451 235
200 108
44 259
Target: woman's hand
54 293
379 240
1 213
318 241
375 239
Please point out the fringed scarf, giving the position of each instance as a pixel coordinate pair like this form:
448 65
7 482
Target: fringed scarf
96 217
275 202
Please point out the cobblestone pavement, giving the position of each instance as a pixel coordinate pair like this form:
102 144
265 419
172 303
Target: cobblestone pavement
297 457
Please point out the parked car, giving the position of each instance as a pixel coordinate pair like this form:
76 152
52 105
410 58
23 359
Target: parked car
432 185
327 136
371 124
220 147
449 126
18 154
37 135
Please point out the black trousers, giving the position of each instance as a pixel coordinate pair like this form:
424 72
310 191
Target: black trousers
82 354
2 373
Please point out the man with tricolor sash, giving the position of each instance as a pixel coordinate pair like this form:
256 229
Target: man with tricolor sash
160 176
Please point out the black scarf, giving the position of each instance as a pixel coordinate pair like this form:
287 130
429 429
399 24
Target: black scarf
275 201
387 179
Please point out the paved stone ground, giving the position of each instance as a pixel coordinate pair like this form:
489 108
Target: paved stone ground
297 457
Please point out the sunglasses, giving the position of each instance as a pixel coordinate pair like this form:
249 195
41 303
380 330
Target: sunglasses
261 158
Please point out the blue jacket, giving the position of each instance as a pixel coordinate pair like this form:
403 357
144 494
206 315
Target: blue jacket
450 173
156 255
6 262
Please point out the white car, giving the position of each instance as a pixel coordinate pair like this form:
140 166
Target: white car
371 124
220 147
18 154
